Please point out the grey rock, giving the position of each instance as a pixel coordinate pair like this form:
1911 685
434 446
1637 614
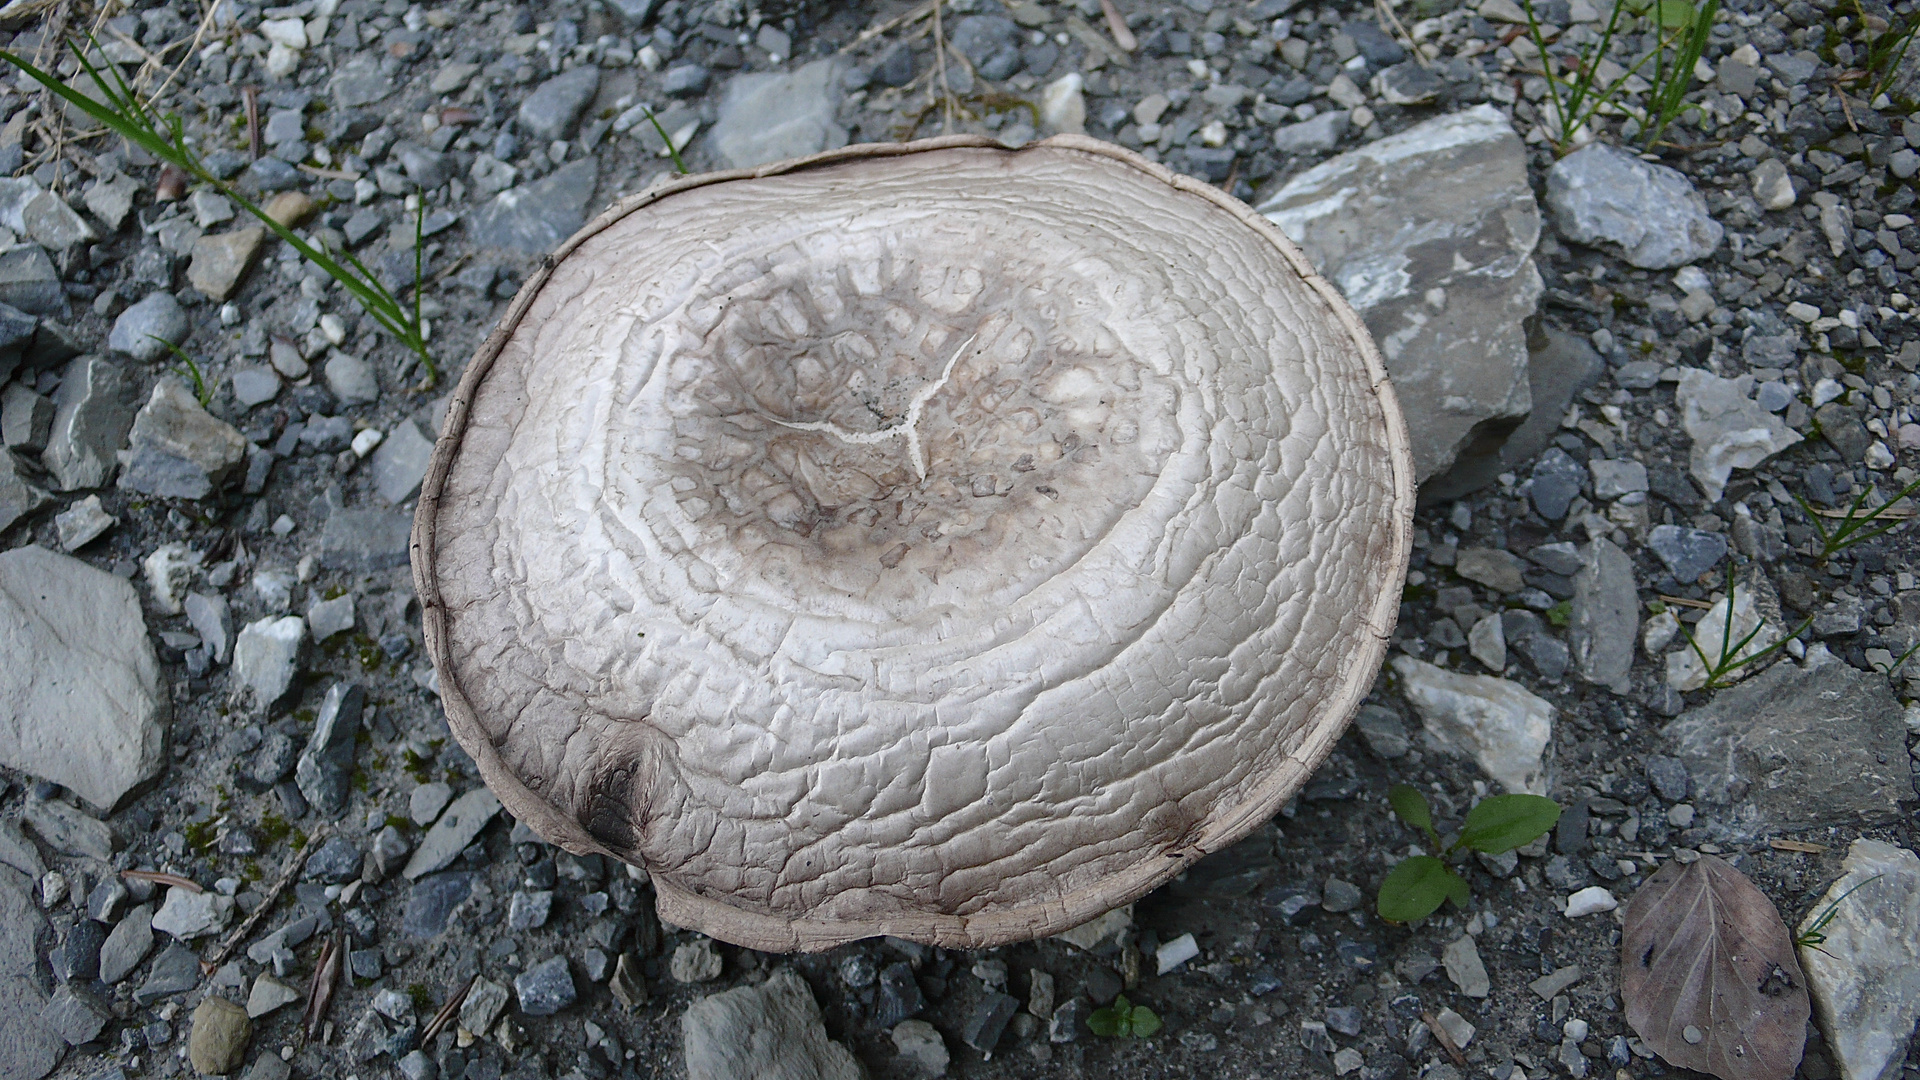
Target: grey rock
1606 616
18 498
685 80
175 971
222 259
359 82
545 988
273 174
426 802
1602 194
325 769
266 657
1464 967
285 938
1612 479
329 617
180 450
1797 747
1841 427
400 462
389 847
1559 365
91 415
1840 618
1440 214
268 1067
899 995
213 621
254 385
1557 480
988 1021
128 944
1688 553
550 112
282 126
274 761
763 1033
111 200
78 957
1729 430
1318 135
351 379
337 861
68 830
483 1005
427 168
457 828
159 316
82 523
1340 896
635 12
1668 776
535 217
1385 733
1501 571
76 1015
767 117
365 540
54 225
18 852
186 914
1560 558
29 1047
1865 977
431 903
1068 1021
529 910
29 282
81 696
1497 723
269 994
922 1049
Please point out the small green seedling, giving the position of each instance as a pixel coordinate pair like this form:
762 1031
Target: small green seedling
201 391
1815 936
1720 669
673 151
1123 1019
1856 525
1418 886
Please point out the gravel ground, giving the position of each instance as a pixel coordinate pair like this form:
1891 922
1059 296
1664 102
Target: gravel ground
280 504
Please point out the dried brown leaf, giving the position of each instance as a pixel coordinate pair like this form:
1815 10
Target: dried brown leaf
1705 954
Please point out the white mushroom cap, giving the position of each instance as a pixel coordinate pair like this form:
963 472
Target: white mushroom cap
931 540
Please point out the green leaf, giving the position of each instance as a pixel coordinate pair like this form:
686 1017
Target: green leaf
1407 802
1104 1022
1144 1022
1417 887
1505 822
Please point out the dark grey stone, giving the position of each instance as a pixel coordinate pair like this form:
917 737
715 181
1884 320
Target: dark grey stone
274 760
1605 616
1068 1021
1688 553
1375 44
550 112
76 1015
78 957
988 1021
427 168
899 995
365 540
1384 731
325 768
979 37
529 910
683 80
175 971
1797 747
272 174
431 902
535 217
545 988
337 862
1557 480
29 283
1668 775
895 67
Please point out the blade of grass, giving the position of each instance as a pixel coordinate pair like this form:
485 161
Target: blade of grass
673 151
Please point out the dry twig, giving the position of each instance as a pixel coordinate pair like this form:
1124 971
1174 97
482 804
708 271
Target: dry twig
208 965
161 877
1445 1040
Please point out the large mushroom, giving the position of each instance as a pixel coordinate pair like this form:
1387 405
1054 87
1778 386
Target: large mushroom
932 540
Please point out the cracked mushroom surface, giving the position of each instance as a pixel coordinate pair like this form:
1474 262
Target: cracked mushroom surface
932 540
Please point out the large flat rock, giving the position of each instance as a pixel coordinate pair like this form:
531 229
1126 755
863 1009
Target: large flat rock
1797 746
766 1032
1430 234
81 701
768 117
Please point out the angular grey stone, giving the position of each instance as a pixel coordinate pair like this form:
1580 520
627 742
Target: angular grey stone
29 282
764 1031
180 450
457 828
1430 234
529 910
351 379
266 657
358 83
1688 553
1865 977
112 200
91 415
550 112
187 915
1557 480
254 385
326 618
1464 967
1669 777
767 117
127 945
988 1021
1729 430
1797 747
431 903
426 802
483 1005
68 830
18 498
53 224
76 1015
635 12
389 847
269 994
683 80
1612 479
26 419
427 168
1496 722
400 462
1602 194
1385 733
545 988
81 701
213 621
325 769
336 861
1501 571
160 316
1314 136
221 259
175 971
1606 616
365 540
535 217
29 1047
